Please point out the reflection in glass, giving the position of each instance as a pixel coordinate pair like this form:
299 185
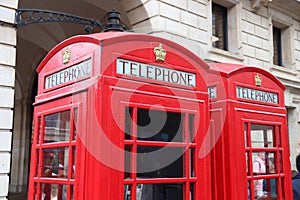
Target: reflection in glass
152 161
55 162
262 135
166 191
53 191
154 125
57 127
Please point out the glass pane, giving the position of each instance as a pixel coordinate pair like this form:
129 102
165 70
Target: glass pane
280 162
127 159
73 163
192 191
72 192
262 135
35 191
57 127
191 128
250 191
166 191
192 162
219 26
259 166
39 130
54 191
154 125
263 163
247 164
279 137
37 162
269 188
245 134
75 123
128 123
127 192
158 162
55 162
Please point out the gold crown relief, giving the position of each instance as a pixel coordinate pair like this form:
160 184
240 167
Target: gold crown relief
257 80
160 53
67 56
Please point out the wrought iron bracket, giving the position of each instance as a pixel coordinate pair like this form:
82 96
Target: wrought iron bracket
29 16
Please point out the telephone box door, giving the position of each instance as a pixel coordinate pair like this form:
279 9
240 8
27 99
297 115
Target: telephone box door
55 147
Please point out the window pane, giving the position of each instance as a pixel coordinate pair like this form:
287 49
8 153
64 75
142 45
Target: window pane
262 135
192 162
55 162
192 191
247 164
127 170
57 127
72 192
277 49
128 123
152 161
75 123
35 191
166 191
39 130
245 134
219 26
54 191
73 163
279 137
263 163
269 188
37 162
154 125
127 192
250 191
191 128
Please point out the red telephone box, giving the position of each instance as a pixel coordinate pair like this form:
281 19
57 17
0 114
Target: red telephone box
120 116
251 157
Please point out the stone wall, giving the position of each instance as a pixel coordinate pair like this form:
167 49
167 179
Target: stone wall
8 40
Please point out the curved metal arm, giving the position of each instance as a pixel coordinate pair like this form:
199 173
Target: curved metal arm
29 16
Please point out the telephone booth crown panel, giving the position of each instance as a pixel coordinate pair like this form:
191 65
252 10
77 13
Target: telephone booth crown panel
120 116
254 139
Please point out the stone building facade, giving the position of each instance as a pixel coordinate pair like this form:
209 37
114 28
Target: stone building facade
250 35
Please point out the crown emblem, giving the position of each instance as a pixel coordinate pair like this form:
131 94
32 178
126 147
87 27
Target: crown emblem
160 53
257 80
67 56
